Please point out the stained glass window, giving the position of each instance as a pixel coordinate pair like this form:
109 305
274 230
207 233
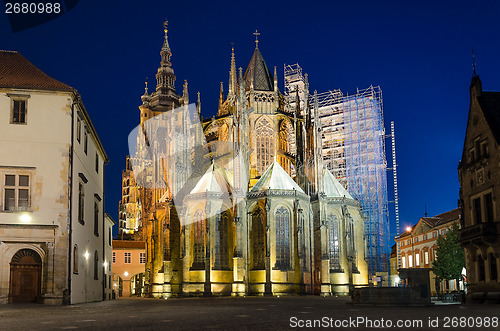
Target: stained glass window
282 239
265 144
199 238
259 239
221 240
333 237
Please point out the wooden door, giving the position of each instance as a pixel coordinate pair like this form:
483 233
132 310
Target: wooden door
25 277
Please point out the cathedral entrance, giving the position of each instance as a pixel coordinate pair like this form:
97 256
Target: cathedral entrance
25 276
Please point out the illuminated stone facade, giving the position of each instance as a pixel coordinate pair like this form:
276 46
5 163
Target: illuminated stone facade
240 204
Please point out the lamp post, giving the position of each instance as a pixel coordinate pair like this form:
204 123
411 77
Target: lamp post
412 249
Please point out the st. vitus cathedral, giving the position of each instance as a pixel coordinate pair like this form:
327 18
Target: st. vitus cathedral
239 204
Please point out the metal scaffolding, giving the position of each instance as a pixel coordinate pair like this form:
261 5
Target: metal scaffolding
366 167
353 139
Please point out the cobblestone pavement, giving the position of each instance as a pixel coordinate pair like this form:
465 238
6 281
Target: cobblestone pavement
251 313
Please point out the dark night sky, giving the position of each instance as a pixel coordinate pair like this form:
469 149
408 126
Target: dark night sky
418 52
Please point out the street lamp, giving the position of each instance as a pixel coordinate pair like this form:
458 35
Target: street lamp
412 250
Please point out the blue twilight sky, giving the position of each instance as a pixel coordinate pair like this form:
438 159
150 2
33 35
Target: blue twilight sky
419 52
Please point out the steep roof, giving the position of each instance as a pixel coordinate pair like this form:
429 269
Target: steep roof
490 105
16 71
258 72
276 178
332 187
212 181
438 220
128 244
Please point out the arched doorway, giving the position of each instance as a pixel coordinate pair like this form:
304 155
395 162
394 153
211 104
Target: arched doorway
25 276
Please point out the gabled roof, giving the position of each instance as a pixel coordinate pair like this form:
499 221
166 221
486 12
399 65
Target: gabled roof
258 72
332 187
276 178
212 181
433 222
490 105
17 72
129 244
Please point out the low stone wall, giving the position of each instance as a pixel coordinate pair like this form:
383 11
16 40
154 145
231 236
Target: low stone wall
389 296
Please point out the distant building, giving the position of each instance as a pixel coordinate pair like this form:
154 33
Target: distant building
479 176
129 260
417 247
53 235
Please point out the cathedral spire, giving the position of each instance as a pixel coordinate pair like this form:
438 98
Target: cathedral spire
232 75
165 77
257 34
185 94
221 96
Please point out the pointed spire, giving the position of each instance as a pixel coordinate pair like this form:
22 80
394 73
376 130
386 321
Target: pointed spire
185 94
166 46
221 96
198 104
145 97
275 80
474 74
232 75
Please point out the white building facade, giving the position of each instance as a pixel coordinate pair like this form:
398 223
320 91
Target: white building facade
53 233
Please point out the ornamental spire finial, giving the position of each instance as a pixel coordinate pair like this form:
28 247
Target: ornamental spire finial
257 34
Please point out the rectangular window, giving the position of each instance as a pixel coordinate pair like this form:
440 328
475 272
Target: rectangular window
415 240
96 217
18 113
81 203
128 257
16 192
443 232
404 262
75 259
114 257
425 237
417 259
85 141
96 162
142 258
410 261
488 207
434 234
109 237
426 257
78 128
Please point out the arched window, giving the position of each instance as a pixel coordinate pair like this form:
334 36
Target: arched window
259 239
221 240
265 144
96 265
282 239
199 239
333 238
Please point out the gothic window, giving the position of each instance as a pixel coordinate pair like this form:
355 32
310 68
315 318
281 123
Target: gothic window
199 239
334 243
221 240
265 144
259 239
224 133
282 239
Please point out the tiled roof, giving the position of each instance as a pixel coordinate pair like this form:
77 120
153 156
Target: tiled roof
258 73
437 220
129 244
17 72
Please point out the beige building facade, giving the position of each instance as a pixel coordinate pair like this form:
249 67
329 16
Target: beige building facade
416 247
53 233
129 260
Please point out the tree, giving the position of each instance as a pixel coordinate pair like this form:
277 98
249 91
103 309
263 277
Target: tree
450 256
